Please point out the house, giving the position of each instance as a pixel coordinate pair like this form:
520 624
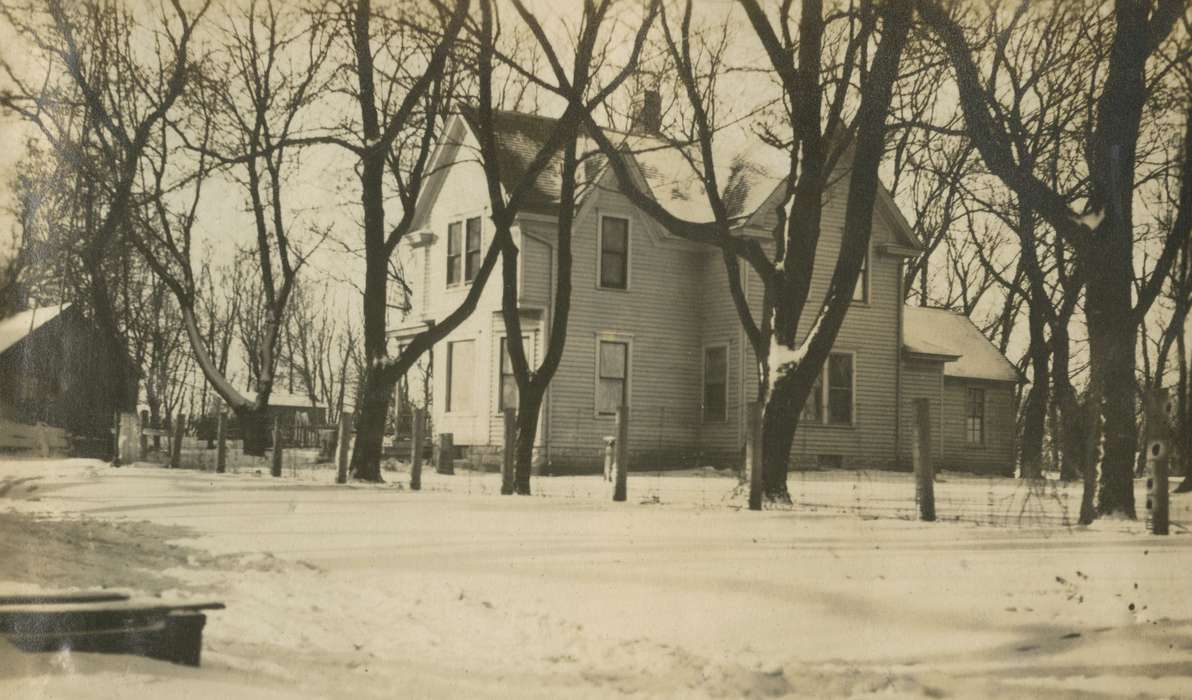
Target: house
53 371
652 320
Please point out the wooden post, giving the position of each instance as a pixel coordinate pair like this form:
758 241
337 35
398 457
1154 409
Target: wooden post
753 453
1160 409
221 443
924 469
342 448
507 451
176 447
116 440
445 454
144 438
275 467
416 440
621 466
610 456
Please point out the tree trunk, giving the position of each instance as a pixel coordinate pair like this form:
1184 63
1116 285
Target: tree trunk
1183 429
373 399
1034 411
1112 332
254 430
529 406
372 406
1068 407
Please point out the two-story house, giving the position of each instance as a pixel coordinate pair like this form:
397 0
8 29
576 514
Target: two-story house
652 322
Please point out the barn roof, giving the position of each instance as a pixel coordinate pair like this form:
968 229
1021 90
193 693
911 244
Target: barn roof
16 328
966 351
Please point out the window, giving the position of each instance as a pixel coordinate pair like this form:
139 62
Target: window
463 250
861 291
507 398
835 404
813 410
460 356
612 373
472 254
614 252
840 389
974 424
716 384
453 253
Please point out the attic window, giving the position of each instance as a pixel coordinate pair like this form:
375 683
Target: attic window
463 250
861 291
614 252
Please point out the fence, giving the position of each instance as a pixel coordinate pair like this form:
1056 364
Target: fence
862 494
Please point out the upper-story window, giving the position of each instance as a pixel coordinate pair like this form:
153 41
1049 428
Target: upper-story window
463 250
614 252
861 291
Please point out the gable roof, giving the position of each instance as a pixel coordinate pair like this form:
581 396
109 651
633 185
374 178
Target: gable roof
750 172
951 336
16 328
281 399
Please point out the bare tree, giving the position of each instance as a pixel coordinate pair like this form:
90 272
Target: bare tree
583 97
1102 235
92 72
816 96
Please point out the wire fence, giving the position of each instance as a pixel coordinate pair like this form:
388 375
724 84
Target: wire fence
863 494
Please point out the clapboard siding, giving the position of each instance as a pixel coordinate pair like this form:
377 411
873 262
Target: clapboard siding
658 315
461 194
921 380
996 455
720 325
870 331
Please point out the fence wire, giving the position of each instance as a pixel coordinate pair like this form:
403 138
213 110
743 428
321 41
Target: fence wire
864 494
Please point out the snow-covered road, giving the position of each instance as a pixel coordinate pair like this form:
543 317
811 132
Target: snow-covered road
366 591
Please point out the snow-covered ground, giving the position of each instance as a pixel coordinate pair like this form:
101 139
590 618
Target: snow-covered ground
376 591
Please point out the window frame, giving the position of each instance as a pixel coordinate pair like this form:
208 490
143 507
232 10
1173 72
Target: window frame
824 398
458 227
969 403
863 280
447 407
723 418
600 250
502 351
470 267
612 337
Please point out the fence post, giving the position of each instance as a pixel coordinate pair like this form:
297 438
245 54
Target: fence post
621 465
445 455
507 453
144 438
221 443
341 447
1159 409
924 469
116 439
753 453
275 467
176 447
416 439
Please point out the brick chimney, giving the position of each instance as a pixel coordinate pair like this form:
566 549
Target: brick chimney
648 119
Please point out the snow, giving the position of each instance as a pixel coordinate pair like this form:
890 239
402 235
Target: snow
945 333
1091 219
16 327
357 591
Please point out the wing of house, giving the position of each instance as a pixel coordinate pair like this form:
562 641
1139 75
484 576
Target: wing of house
651 317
